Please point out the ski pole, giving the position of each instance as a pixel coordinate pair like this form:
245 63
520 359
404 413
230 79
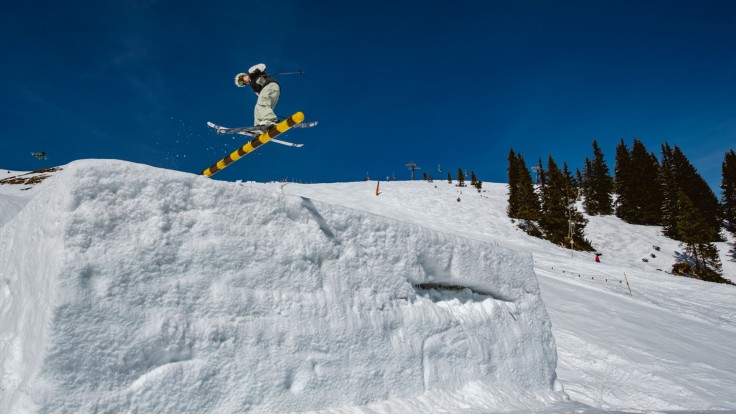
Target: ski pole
300 72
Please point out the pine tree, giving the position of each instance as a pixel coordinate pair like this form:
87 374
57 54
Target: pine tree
560 221
698 190
624 183
598 184
513 169
553 220
637 185
529 206
695 236
449 178
679 175
576 220
647 192
670 193
460 178
572 184
585 192
523 201
728 184
473 178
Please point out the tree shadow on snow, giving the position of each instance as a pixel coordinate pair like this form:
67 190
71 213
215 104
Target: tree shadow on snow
683 258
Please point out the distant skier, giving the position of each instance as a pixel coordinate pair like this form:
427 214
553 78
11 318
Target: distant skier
39 156
268 92
597 259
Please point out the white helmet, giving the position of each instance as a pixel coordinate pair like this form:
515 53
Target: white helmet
239 79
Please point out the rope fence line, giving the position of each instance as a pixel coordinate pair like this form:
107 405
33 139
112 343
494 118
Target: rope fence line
604 278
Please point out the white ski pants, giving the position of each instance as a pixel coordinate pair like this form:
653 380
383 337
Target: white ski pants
267 99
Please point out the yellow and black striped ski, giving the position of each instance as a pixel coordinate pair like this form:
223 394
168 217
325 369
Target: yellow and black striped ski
255 143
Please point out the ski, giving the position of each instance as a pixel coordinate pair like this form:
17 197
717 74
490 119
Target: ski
283 142
235 130
252 145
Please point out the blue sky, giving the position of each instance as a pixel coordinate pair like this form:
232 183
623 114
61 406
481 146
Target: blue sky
453 84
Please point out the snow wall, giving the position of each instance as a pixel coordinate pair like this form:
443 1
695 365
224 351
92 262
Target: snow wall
145 290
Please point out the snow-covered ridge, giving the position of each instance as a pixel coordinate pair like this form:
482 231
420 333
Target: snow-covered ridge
145 290
19 187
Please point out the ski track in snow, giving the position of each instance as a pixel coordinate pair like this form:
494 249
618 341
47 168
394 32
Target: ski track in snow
666 347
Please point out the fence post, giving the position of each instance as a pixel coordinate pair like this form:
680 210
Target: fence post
627 284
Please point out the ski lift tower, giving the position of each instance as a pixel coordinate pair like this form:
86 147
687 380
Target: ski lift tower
535 169
570 222
412 166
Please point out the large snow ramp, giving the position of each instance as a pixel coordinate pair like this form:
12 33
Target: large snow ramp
146 290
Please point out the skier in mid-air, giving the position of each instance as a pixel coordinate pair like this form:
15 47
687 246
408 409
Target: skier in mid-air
268 92
39 156
266 124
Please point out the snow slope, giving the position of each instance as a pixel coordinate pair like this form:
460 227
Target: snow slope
126 288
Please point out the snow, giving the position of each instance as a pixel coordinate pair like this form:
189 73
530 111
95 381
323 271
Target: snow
126 288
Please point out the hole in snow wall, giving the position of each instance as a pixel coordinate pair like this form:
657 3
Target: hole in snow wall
481 300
